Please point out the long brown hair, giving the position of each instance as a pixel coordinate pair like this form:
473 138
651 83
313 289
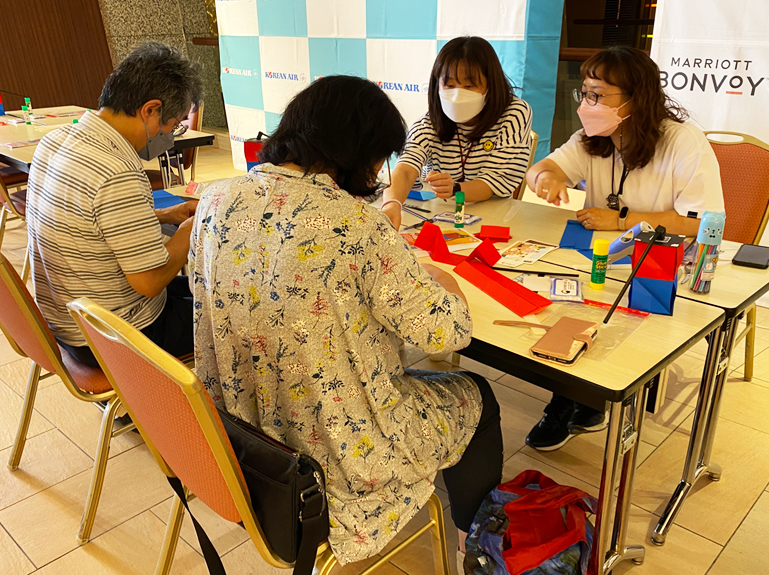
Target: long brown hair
480 59
633 72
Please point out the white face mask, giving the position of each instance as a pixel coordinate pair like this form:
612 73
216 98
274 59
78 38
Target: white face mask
461 105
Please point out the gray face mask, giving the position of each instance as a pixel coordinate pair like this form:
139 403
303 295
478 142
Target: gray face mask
156 145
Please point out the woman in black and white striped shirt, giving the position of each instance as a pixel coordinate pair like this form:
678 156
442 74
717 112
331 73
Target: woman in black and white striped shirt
475 136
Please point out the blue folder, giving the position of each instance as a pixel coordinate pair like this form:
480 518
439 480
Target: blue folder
163 199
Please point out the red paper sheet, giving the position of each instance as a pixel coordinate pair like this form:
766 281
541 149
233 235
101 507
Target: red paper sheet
512 295
495 233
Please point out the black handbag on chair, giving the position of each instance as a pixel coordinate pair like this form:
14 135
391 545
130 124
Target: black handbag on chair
288 496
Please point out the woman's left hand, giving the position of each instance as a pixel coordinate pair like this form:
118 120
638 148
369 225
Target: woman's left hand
441 184
598 219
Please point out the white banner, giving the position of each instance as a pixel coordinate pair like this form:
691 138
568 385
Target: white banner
714 60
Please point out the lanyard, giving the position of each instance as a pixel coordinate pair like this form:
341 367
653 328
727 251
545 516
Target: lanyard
612 201
463 157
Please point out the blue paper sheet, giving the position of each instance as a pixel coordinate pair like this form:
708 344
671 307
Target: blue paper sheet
654 296
164 199
576 237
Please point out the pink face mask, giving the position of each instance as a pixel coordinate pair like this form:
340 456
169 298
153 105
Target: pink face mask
599 120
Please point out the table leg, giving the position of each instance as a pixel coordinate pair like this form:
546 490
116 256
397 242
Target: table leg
180 167
697 464
625 422
164 164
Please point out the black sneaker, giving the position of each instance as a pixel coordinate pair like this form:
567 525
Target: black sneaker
552 431
586 420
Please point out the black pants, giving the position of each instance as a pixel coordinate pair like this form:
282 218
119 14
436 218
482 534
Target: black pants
480 469
172 330
560 402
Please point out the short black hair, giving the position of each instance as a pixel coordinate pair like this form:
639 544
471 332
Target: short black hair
154 71
481 60
343 124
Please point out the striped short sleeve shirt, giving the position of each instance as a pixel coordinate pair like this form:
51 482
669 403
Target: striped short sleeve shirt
499 158
90 221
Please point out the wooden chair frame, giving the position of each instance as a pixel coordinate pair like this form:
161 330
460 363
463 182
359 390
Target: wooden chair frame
106 432
117 330
749 333
9 210
522 188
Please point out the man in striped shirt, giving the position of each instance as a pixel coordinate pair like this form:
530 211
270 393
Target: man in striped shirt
93 230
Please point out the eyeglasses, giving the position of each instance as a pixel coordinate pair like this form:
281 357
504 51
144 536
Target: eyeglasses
179 130
591 97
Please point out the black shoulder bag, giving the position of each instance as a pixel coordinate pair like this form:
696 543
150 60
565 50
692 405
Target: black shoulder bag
288 496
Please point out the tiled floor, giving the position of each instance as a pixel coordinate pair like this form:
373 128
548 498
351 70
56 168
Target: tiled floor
721 530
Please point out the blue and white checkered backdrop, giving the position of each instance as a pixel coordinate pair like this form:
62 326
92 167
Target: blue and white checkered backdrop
272 49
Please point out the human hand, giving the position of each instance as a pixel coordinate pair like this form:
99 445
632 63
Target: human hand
551 189
393 213
445 279
441 183
598 219
177 214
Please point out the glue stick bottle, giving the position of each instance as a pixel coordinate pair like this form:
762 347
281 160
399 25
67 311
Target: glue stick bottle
600 256
28 103
25 112
459 211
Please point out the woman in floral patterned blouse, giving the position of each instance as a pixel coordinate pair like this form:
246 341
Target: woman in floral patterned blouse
303 295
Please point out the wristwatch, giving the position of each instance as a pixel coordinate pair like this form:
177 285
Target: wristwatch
457 188
622 215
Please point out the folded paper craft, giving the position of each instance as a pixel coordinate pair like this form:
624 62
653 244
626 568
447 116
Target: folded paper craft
576 237
510 294
431 240
664 258
495 233
421 195
653 295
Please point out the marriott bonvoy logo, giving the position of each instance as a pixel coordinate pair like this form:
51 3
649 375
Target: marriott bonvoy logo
714 76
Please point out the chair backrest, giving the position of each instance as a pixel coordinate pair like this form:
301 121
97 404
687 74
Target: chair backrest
5 198
744 164
22 323
174 413
522 187
194 121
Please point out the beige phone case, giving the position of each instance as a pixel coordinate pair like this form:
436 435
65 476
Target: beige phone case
563 341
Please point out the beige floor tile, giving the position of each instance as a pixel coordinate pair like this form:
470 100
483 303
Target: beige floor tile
224 535
79 420
582 456
658 426
684 378
10 412
417 558
760 366
746 403
529 389
245 560
713 510
7 354
45 525
15 375
15 237
519 413
521 462
684 553
132 548
48 458
741 555
12 559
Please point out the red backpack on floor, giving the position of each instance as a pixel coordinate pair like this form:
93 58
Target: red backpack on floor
533 526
